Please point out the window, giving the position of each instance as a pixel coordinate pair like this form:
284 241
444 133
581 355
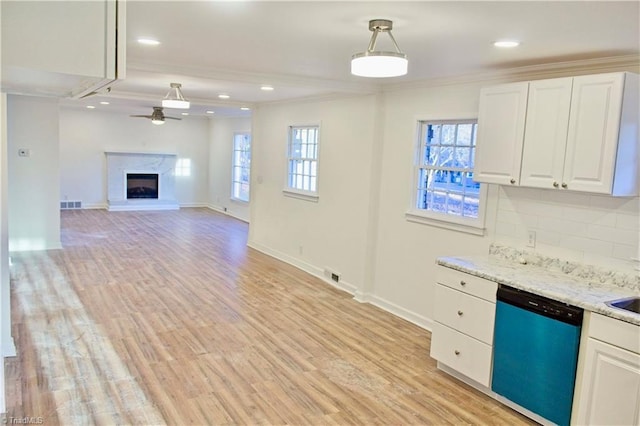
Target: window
241 166
183 167
303 159
444 186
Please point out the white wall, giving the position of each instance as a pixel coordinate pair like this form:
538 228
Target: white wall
406 251
221 131
86 134
359 225
34 185
330 233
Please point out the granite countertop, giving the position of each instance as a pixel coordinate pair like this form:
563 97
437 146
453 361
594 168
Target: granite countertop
587 288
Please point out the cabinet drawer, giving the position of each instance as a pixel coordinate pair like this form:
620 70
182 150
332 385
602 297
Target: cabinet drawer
464 354
467 314
467 283
615 332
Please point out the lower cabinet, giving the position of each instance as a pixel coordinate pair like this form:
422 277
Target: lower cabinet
610 390
462 336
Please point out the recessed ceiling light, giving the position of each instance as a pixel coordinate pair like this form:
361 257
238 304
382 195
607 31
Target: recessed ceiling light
221 96
266 88
148 41
104 103
245 108
506 43
185 113
90 107
210 112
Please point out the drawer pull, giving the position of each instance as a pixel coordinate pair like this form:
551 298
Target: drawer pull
457 352
460 313
463 283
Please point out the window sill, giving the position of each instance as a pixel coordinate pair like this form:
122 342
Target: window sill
239 200
301 195
468 226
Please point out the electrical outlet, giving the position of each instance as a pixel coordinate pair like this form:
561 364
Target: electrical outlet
531 242
24 152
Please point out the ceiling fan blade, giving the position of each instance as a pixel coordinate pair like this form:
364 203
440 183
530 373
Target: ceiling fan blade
141 116
172 118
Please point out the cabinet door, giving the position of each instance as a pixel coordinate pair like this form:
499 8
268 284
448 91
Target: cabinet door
545 137
500 133
592 140
610 393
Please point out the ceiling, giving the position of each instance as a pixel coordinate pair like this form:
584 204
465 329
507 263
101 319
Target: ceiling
303 48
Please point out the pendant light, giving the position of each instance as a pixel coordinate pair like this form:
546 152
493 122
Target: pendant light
373 63
174 98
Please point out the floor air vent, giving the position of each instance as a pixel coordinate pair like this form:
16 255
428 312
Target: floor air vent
70 205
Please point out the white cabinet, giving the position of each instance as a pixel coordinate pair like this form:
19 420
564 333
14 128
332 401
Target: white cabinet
546 132
580 134
62 49
462 335
602 144
609 390
501 121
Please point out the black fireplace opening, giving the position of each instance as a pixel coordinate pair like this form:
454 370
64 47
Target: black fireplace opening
142 185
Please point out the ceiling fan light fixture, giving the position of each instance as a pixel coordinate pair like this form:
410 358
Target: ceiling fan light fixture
157 121
174 98
379 64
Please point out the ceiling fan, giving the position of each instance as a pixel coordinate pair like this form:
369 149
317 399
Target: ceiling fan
157 116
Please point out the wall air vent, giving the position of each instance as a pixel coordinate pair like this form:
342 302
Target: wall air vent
70 205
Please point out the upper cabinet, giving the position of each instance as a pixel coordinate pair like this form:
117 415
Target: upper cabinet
63 49
579 134
500 131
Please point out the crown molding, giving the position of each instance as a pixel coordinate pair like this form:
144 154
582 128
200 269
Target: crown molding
629 63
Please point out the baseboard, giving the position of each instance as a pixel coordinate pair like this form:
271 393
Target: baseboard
224 210
193 205
385 305
399 311
9 348
304 266
96 206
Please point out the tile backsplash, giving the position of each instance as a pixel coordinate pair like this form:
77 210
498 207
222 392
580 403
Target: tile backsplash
593 229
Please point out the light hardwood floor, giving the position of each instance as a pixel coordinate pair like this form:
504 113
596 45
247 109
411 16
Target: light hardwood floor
168 318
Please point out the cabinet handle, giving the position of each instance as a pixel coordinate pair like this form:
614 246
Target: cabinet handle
555 184
512 181
564 185
460 313
457 352
463 283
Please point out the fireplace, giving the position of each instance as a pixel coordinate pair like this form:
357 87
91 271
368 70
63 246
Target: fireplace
142 185
141 181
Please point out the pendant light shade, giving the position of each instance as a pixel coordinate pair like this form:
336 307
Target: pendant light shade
174 98
373 63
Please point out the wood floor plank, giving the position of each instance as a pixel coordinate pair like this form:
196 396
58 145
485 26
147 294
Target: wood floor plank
169 318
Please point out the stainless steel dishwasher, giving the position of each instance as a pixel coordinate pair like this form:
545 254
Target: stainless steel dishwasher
536 352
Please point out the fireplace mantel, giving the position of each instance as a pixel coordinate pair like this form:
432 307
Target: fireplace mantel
119 163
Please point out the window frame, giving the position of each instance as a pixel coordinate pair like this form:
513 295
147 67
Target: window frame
302 194
233 167
475 226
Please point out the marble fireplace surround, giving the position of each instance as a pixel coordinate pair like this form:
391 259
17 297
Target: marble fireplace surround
119 163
